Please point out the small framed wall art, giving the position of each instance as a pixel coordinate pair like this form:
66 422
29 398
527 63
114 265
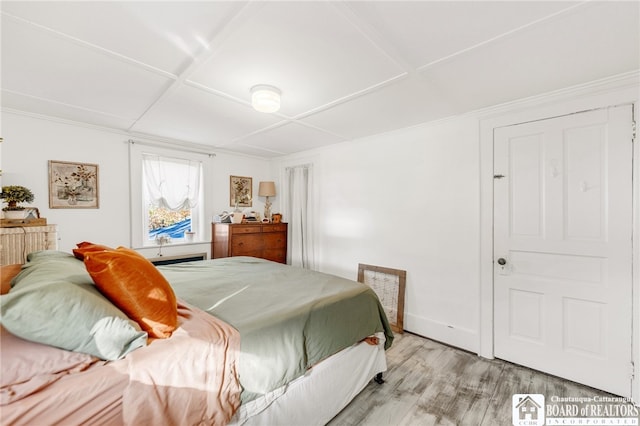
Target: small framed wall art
241 191
73 185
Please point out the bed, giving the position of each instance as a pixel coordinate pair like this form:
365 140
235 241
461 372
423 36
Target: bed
254 342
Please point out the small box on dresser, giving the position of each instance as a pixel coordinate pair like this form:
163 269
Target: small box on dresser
263 240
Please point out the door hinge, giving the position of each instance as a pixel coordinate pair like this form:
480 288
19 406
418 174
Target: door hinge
633 370
634 129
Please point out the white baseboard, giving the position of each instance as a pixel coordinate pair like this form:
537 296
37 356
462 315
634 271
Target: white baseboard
463 338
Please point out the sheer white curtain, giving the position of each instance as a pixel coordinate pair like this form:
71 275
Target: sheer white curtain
298 210
173 183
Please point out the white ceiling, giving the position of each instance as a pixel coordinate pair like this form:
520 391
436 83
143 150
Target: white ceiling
182 70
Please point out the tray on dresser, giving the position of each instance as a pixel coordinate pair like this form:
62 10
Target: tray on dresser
11 223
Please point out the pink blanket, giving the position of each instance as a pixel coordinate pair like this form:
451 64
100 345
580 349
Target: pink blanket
190 378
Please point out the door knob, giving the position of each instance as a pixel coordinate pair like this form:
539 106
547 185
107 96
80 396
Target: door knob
502 261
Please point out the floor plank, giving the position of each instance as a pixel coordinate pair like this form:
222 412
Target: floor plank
429 383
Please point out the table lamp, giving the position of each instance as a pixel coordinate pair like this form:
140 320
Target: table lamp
267 189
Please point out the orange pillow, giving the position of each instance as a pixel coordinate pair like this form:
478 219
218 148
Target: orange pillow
87 247
7 272
134 285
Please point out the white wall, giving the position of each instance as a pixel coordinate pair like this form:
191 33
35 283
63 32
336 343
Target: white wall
408 200
416 199
30 142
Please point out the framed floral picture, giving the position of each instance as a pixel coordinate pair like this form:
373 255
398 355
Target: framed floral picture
241 191
73 185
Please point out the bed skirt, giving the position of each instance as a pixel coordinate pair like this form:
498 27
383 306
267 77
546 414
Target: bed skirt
319 395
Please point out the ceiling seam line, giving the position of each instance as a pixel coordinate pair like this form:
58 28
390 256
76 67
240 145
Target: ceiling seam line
352 96
320 129
256 132
206 54
76 107
373 36
501 36
105 128
94 47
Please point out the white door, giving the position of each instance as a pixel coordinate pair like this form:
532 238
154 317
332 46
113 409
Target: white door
562 246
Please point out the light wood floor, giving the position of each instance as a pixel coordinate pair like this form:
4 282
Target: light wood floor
428 383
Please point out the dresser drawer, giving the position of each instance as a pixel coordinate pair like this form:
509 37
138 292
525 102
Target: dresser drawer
276 227
276 255
244 245
246 229
275 240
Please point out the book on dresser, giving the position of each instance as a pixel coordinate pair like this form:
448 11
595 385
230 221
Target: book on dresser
263 240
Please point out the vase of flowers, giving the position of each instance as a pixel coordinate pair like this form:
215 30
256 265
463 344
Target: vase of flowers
13 195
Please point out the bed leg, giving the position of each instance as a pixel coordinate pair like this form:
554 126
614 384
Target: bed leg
378 379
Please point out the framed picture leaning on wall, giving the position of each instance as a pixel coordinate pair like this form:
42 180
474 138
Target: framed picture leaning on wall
73 185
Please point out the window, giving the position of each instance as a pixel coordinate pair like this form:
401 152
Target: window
167 194
163 221
172 198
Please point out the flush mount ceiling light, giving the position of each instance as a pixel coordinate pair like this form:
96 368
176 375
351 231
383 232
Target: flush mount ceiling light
265 98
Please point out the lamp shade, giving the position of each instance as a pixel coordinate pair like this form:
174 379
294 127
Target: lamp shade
265 98
267 189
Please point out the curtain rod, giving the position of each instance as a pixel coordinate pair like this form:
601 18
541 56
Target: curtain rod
300 166
170 146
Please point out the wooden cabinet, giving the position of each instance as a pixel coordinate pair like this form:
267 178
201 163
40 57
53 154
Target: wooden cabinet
264 240
18 241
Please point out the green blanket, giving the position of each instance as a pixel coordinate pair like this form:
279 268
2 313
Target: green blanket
288 318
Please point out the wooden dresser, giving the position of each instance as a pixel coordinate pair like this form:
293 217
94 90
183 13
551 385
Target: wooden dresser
264 240
18 241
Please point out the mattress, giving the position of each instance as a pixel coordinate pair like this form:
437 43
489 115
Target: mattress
289 318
